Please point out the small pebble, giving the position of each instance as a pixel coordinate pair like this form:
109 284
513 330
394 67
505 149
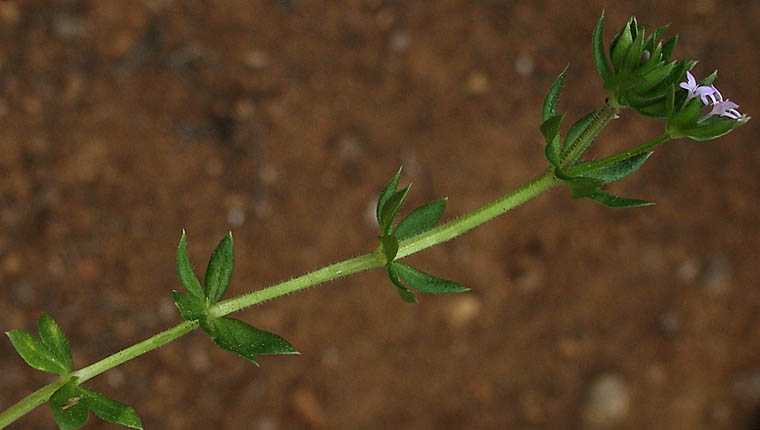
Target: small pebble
477 83
235 217
462 310
307 405
399 42
330 356
715 276
607 402
669 323
256 59
524 65
688 270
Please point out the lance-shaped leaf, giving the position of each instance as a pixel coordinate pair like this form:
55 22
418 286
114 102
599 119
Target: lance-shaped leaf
390 247
185 270
69 407
404 292
244 340
611 201
390 209
388 191
620 46
112 411
70 404
667 49
55 339
597 47
549 108
619 170
36 354
425 282
582 187
420 220
633 56
219 271
576 130
550 130
190 307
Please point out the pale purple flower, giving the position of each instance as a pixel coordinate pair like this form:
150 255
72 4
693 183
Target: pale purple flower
701 91
721 107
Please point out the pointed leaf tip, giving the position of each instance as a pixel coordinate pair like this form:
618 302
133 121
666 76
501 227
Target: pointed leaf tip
187 276
219 271
425 282
244 340
55 339
551 100
387 192
420 220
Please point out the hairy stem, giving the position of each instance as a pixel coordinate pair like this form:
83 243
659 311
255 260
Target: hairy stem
371 260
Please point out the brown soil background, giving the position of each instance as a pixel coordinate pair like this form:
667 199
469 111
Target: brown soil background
123 122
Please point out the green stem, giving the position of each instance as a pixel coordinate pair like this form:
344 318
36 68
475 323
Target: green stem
348 267
135 350
29 402
327 273
477 217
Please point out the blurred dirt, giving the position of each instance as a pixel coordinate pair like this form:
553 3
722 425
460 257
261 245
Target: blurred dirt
123 122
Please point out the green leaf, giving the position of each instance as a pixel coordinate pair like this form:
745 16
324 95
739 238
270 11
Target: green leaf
552 97
622 45
190 307
387 193
619 170
69 406
420 220
654 78
242 339
185 270
219 271
633 56
649 44
112 411
582 187
714 128
55 339
404 292
390 247
709 79
576 130
424 282
550 130
597 46
611 201
667 49
656 110
670 101
390 209
36 354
